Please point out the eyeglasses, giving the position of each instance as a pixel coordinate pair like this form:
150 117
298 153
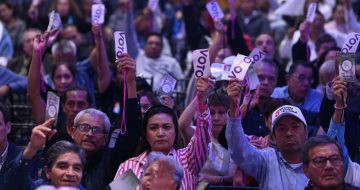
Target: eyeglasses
303 78
85 128
320 162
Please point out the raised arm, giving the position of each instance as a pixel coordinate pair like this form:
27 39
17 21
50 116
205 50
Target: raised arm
19 176
126 143
337 130
34 80
102 61
218 40
186 119
196 152
131 38
238 145
337 124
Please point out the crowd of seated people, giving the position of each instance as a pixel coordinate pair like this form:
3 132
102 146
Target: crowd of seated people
118 124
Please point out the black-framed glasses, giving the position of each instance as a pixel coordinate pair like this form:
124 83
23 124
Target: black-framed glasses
321 161
303 78
85 128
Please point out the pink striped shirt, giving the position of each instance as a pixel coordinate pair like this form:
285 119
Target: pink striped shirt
191 158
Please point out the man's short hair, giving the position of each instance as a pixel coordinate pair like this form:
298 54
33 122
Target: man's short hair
271 64
5 112
298 63
60 148
318 141
148 35
219 99
325 38
94 112
77 87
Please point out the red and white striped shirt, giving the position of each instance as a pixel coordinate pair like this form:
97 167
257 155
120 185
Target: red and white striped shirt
191 158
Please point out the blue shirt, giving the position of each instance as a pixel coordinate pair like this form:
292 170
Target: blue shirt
312 100
337 131
85 77
267 165
17 83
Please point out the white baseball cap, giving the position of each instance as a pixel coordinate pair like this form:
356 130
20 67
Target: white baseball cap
285 111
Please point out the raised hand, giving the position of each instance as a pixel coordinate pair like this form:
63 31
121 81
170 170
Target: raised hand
127 63
39 135
203 86
163 177
339 90
304 29
251 100
233 90
98 33
39 42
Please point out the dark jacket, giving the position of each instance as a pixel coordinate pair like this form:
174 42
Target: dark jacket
6 169
101 167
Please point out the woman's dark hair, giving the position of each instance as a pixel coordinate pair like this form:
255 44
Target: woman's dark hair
74 8
219 99
158 109
152 98
9 6
67 65
60 148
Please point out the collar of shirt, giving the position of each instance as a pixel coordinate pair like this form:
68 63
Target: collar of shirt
3 155
293 166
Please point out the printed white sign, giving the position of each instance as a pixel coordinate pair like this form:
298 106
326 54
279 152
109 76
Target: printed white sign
351 43
346 62
153 5
167 85
54 21
98 13
120 43
257 55
127 180
217 69
201 61
52 106
239 67
215 10
310 16
254 80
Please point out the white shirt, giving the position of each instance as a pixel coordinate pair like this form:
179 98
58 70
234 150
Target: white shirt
156 68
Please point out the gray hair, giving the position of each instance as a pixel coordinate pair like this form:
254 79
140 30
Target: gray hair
155 156
60 148
64 46
327 72
94 112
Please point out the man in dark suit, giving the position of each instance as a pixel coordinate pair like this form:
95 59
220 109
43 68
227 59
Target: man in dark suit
8 151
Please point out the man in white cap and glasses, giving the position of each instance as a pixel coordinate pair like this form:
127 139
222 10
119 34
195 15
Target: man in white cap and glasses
279 168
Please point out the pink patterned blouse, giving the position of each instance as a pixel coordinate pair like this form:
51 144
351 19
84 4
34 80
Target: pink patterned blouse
191 158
